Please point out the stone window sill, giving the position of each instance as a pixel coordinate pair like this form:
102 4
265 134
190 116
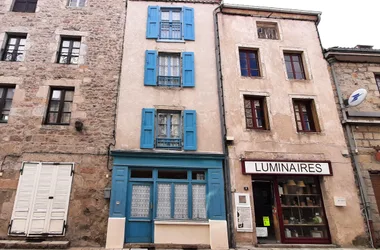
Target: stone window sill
170 41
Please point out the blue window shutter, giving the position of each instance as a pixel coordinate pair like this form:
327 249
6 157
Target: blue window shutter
188 73
188 24
118 192
147 128
150 76
190 130
153 22
215 196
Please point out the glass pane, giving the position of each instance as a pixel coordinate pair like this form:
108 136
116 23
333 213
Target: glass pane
75 52
163 201
244 72
20 57
198 175
73 3
140 204
82 3
69 95
65 43
56 95
22 41
67 107
74 60
254 72
300 76
10 93
1 92
297 67
199 201
296 58
12 41
4 116
176 16
249 122
172 174
248 113
54 106
141 173
181 201
65 118
8 104
247 103
52 117
165 15
76 44
63 59
64 51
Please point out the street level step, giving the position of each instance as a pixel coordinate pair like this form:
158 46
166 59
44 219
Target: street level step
23 244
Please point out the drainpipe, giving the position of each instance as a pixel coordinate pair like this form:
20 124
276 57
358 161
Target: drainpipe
226 168
354 157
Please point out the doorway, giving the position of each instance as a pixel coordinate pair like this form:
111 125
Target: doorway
263 197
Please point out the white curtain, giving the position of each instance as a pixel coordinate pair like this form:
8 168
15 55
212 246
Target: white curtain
180 201
199 201
163 201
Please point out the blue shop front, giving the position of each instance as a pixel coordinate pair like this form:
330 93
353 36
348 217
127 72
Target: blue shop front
167 198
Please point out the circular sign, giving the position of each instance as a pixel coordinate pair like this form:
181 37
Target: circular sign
357 97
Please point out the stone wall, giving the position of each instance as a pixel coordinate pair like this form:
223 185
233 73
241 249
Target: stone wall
95 79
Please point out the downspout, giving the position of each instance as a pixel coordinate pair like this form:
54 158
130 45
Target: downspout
353 154
226 168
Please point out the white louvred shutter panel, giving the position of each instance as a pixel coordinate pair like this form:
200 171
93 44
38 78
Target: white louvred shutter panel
60 203
39 214
24 198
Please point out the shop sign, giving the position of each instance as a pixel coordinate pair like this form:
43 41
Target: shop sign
243 212
286 167
261 231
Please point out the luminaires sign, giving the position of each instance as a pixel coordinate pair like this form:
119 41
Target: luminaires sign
286 167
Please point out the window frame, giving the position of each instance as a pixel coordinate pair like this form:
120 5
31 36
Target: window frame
16 50
246 52
25 6
311 113
60 111
170 22
377 80
172 54
3 100
264 108
168 124
300 61
71 40
263 25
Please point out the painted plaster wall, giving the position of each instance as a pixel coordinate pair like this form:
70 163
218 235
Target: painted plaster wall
179 234
134 96
283 141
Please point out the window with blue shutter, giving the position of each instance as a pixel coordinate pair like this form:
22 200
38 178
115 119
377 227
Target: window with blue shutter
189 130
215 200
147 128
188 69
150 75
170 23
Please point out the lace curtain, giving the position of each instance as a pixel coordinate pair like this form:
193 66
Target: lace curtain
163 201
199 201
180 201
140 201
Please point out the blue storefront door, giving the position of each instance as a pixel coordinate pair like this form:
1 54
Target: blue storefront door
139 227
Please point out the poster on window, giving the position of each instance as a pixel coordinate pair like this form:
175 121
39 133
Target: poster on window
243 213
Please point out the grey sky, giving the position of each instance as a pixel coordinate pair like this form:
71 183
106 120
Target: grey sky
344 23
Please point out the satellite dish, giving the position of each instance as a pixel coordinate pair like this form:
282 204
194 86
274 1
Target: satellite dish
357 97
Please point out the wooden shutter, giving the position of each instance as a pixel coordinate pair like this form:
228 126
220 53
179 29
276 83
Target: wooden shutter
375 179
266 115
150 75
188 73
60 203
188 24
119 192
24 199
153 22
215 196
147 128
315 116
190 130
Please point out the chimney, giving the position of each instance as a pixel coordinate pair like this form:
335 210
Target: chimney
363 46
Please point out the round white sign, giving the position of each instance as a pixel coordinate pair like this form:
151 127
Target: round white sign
357 97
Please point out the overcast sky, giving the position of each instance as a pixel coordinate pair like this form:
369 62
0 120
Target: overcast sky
344 23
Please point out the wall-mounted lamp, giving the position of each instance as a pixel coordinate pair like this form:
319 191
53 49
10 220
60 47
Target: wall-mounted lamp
79 126
245 188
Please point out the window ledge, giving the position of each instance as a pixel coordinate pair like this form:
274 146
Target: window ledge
258 130
309 133
170 41
299 80
55 127
251 77
181 222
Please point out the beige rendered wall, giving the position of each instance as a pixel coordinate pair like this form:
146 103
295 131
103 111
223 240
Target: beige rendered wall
181 233
283 141
134 96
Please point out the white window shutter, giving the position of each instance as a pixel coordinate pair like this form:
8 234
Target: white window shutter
60 202
24 199
39 215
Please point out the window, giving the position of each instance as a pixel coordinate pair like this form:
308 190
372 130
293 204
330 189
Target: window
169 70
170 23
14 49
167 129
267 30
249 63
6 97
69 50
25 6
305 115
60 106
294 66
169 133
77 3
179 196
377 78
256 113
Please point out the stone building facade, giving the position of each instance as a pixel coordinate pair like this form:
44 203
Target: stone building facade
353 69
29 145
291 177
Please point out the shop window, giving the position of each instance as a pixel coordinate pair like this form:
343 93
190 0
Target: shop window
302 208
306 115
172 174
249 63
256 112
141 173
294 65
267 30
